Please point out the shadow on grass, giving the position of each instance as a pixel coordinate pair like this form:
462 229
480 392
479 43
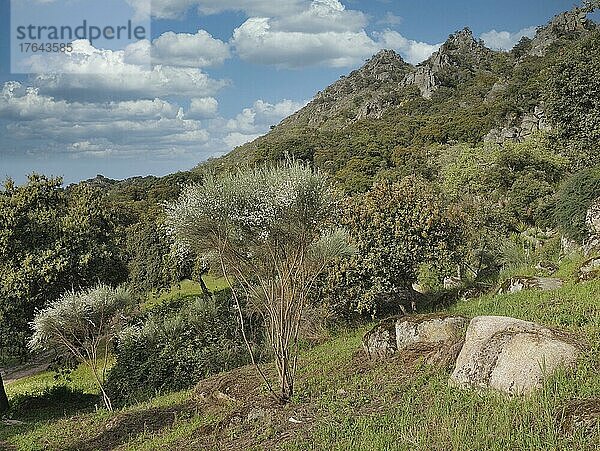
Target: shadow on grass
127 425
28 410
53 402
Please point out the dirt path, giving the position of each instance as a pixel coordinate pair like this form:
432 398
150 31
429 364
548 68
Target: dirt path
37 365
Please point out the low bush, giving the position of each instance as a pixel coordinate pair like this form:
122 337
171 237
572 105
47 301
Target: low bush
575 197
174 346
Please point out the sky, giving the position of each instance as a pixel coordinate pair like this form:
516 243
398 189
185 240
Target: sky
210 75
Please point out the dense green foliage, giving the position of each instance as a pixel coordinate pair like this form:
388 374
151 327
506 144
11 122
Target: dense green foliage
175 345
51 241
395 227
572 97
151 263
574 199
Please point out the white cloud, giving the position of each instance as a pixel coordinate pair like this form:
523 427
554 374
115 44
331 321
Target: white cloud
154 128
325 33
258 118
151 129
18 102
257 42
94 73
205 107
322 16
412 51
189 50
172 9
505 40
235 139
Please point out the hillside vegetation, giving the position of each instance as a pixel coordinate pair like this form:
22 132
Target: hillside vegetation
343 400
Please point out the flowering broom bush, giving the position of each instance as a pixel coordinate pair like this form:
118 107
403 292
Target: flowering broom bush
266 230
84 324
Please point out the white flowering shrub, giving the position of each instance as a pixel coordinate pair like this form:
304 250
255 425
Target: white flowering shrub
267 230
83 324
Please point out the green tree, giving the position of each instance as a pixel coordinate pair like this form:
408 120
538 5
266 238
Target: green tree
83 324
265 229
51 241
396 227
572 98
151 264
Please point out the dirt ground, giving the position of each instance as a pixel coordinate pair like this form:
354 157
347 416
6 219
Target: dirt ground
37 365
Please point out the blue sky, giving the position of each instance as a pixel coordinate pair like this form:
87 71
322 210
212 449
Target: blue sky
224 72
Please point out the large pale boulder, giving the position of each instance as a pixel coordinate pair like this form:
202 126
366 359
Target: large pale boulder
511 355
381 340
435 335
429 329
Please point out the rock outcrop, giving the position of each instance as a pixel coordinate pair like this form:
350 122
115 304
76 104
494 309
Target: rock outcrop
461 48
423 78
511 355
569 22
592 222
520 283
590 269
361 91
518 129
405 333
579 415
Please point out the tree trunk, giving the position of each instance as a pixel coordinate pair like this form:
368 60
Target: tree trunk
3 398
205 289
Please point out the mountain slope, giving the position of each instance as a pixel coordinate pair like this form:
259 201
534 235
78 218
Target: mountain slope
371 119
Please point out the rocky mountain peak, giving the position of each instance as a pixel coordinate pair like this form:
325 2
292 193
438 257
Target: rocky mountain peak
461 49
382 65
463 37
385 56
569 22
460 44
365 93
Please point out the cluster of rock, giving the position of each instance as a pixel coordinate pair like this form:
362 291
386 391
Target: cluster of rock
569 22
592 221
501 353
518 129
369 90
439 337
590 269
460 48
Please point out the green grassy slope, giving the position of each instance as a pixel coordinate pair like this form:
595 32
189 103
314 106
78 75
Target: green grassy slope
346 402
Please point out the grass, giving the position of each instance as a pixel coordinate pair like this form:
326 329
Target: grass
347 402
80 378
186 288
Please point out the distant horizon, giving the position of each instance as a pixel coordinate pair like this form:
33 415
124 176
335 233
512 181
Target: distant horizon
226 75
